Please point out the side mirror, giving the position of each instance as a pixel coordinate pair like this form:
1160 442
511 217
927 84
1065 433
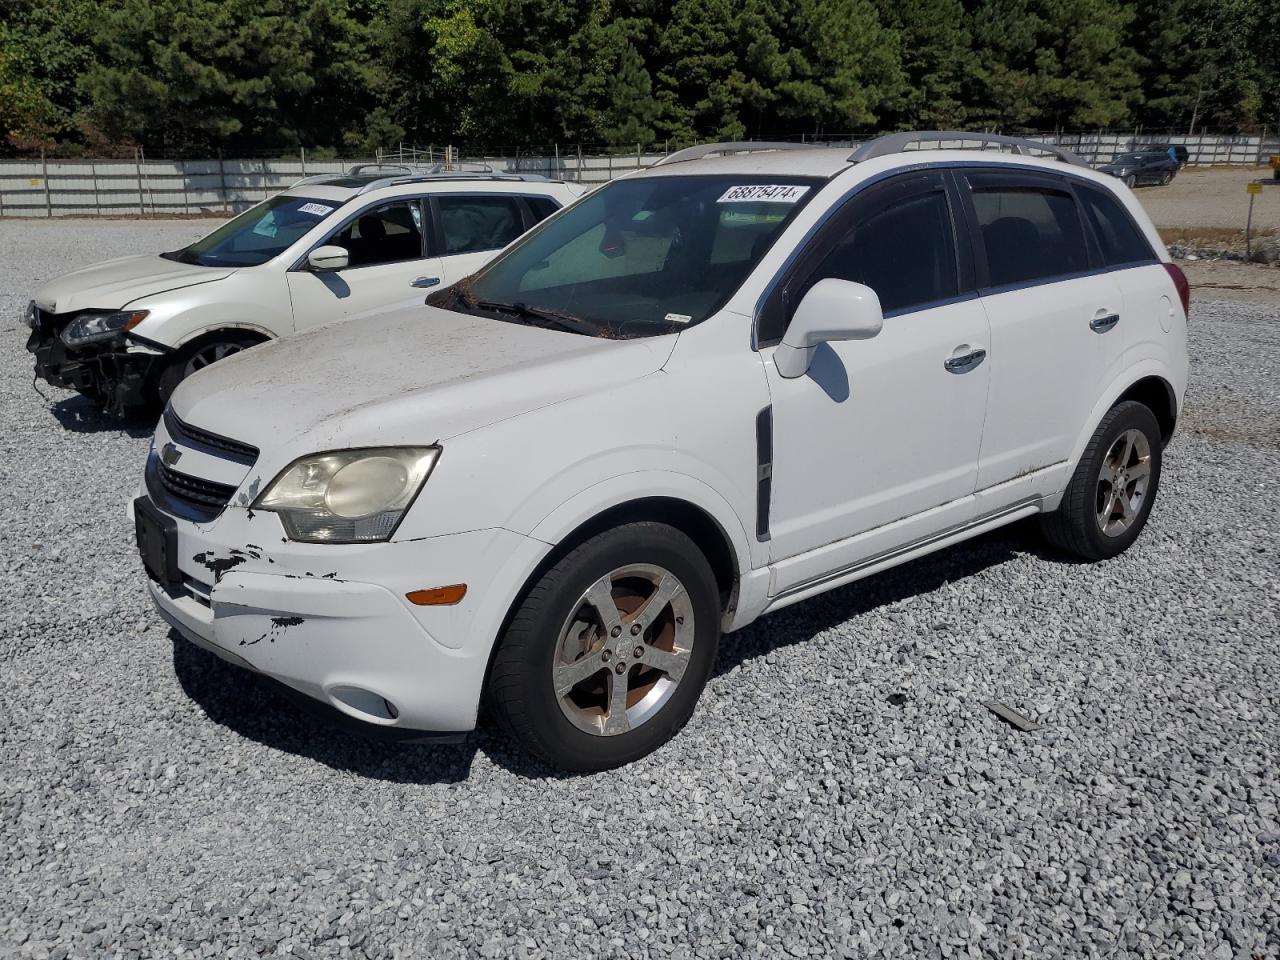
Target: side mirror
831 310
327 259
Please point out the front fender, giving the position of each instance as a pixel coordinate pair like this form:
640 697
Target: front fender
180 316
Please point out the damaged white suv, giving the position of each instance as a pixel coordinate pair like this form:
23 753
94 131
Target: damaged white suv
126 331
707 391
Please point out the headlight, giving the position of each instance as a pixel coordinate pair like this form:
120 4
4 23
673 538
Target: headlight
92 327
348 496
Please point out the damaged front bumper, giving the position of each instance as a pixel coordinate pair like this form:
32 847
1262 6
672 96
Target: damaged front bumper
116 373
333 622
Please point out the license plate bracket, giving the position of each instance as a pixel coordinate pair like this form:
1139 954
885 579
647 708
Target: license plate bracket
157 536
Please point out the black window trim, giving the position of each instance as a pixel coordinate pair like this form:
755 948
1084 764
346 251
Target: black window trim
827 232
300 265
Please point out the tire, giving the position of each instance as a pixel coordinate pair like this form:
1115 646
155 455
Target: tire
1091 522
197 356
542 686
1166 178
1131 181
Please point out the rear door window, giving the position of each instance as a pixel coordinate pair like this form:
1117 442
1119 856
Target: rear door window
1030 228
471 224
1119 239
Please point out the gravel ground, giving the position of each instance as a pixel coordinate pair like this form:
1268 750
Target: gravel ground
841 790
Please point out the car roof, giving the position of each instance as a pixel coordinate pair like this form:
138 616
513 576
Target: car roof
342 188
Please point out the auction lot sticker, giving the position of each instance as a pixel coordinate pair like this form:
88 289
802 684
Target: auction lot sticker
316 209
763 193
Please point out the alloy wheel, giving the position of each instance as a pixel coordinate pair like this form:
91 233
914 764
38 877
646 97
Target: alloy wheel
623 649
1123 482
211 353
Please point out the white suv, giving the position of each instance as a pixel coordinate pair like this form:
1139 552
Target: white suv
127 331
704 392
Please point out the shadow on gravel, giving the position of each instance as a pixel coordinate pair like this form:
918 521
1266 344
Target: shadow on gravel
803 621
82 415
261 710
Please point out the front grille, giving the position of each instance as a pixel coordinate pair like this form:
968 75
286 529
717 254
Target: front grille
225 447
193 489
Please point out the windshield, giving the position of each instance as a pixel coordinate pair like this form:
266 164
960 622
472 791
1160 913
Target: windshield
260 233
1138 157
638 257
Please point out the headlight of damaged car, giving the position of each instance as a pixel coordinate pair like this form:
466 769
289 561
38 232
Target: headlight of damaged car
348 496
92 327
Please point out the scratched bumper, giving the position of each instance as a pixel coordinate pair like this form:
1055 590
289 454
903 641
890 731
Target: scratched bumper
333 622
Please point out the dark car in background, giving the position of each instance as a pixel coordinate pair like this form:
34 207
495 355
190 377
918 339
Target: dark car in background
1179 152
1146 166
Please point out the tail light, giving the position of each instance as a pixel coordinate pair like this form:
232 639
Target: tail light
1184 289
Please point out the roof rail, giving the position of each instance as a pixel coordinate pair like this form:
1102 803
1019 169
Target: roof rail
898 142
733 146
359 168
455 175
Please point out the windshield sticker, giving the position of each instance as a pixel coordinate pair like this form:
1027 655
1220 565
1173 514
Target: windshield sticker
763 193
678 318
318 209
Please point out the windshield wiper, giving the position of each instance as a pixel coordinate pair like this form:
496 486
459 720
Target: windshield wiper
563 321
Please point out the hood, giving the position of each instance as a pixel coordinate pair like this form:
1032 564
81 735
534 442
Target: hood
117 283
408 376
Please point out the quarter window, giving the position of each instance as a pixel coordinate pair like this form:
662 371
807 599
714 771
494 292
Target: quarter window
385 234
541 207
1118 238
1030 232
471 224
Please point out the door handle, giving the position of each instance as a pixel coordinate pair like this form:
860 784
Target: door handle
1104 323
425 282
965 361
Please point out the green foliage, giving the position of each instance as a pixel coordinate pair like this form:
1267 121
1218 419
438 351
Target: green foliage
353 75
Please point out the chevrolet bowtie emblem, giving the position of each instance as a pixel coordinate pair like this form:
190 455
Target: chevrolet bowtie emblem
169 454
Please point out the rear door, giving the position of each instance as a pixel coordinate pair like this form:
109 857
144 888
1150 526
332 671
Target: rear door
389 265
1053 317
472 227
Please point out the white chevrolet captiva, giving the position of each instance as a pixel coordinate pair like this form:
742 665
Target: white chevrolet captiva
711 389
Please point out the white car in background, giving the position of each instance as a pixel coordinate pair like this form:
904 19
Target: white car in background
127 331
706 391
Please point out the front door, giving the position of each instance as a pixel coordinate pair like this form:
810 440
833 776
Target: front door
877 445
388 266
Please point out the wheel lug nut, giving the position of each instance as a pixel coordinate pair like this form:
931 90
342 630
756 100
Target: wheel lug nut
615 631
620 668
635 628
638 652
606 655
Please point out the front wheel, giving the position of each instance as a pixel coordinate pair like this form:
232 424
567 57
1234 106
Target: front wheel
605 658
1110 495
1131 181
191 359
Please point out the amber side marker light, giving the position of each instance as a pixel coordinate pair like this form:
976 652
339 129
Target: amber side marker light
438 596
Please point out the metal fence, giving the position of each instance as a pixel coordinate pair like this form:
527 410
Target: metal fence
221 187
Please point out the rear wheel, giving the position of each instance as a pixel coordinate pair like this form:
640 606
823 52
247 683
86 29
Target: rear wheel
1166 178
1110 495
605 658
196 357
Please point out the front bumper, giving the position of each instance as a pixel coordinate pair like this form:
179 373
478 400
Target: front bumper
333 621
107 372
